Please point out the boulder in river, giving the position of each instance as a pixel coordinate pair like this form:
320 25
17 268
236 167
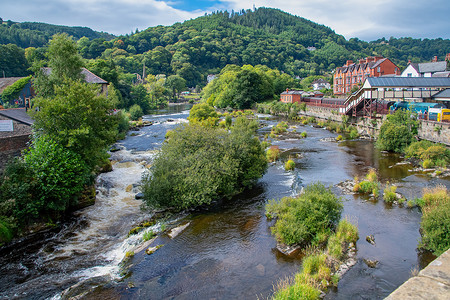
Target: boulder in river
139 196
370 239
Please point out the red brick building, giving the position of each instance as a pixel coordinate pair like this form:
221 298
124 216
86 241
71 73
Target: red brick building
291 96
351 74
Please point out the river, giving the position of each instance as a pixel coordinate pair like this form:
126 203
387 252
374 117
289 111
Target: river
226 251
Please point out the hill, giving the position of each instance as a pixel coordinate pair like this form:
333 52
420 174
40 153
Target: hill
33 34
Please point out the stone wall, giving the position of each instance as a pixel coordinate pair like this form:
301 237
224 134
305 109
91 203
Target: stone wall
435 131
325 113
13 142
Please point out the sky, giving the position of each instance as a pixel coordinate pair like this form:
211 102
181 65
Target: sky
365 19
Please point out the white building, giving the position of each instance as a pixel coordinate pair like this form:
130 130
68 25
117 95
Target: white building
424 69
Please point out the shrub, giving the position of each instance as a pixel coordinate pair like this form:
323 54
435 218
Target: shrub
300 219
289 165
204 114
5 232
370 185
397 132
427 163
435 224
273 153
417 148
339 138
45 182
135 112
389 194
353 134
199 164
304 134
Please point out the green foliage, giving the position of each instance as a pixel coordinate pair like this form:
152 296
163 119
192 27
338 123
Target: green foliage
273 153
300 219
204 114
397 132
199 164
430 153
148 235
79 119
12 59
12 91
289 165
136 112
304 134
389 194
64 64
435 224
6 233
45 182
347 232
370 185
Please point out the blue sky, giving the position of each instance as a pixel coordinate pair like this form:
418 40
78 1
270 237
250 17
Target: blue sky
365 19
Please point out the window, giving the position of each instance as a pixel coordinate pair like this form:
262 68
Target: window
409 74
378 69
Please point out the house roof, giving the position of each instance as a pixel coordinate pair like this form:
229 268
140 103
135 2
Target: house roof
320 80
17 114
292 93
378 62
89 77
432 67
424 82
441 74
7 81
443 94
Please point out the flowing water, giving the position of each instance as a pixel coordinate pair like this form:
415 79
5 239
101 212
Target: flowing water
226 251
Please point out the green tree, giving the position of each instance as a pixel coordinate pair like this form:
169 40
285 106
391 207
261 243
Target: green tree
64 63
78 118
199 164
176 84
203 113
397 132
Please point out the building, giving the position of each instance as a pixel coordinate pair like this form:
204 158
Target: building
15 130
354 74
89 77
291 96
320 84
430 69
23 96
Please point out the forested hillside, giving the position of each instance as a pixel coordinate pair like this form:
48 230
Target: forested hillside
33 34
195 48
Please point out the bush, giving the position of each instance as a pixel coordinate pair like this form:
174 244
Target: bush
303 134
435 224
300 219
397 132
370 185
205 114
136 112
427 163
347 232
198 164
273 153
45 182
389 194
289 165
339 138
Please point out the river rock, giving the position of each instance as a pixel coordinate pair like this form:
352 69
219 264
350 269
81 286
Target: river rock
139 196
287 250
129 188
177 230
371 263
370 239
144 245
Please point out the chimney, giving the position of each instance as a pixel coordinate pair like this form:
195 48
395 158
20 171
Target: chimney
434 59
370 59
362 61
409 61
287 90
349 62
447 57
377 58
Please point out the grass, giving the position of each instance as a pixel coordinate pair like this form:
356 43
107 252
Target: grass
317 267
148 235
435 224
